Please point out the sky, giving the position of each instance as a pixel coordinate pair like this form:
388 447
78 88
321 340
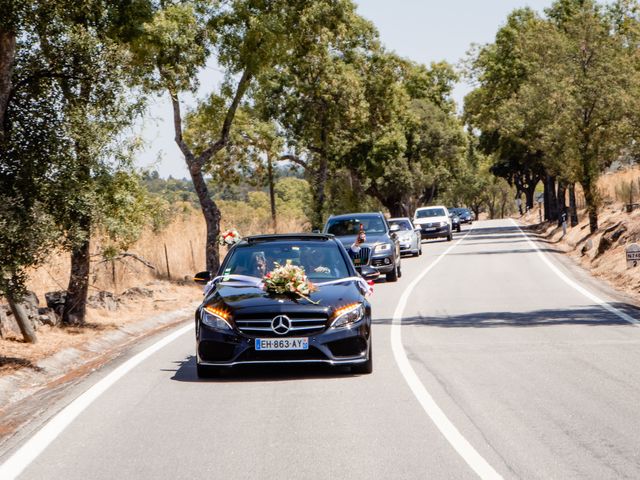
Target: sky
424 31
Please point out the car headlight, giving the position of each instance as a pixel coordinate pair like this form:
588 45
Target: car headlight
383 247
348 315
444 224
216 318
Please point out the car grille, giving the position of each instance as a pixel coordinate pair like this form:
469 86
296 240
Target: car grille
363 255
430 225
300 326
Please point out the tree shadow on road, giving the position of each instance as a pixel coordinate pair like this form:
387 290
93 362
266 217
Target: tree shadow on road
186 372
589 316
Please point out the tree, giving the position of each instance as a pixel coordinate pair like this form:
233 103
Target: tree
250 39
318 97
501 69
593 83
412 143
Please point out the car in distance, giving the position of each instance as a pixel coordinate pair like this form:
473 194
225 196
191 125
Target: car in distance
465 215
455 221
381 250
240 323
434 222
409 236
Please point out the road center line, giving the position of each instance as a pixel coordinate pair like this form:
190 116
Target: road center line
461 445
30 450
594 298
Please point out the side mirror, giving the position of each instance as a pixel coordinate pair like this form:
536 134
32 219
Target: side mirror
369 273
202 278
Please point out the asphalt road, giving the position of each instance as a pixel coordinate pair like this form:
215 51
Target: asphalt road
536 379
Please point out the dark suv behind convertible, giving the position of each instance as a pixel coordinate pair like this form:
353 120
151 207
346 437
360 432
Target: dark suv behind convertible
381 250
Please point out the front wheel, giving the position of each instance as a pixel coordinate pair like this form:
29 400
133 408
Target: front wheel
392 276
366 367
458 229
449 237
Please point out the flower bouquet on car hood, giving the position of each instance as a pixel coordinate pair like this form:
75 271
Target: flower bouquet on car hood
229 237
289 280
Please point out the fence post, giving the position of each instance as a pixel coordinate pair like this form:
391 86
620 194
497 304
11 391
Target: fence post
166 258
193 259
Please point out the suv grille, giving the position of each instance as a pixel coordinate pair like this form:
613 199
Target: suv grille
363 255
300 326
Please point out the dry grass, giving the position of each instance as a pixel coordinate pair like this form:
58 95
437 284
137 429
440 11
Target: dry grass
184 240
616 186
166 297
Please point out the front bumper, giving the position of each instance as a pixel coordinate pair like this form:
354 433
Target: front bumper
435 232
342 346
408 247
383 263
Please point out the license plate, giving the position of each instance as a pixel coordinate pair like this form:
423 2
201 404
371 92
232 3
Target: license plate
430 229
282 343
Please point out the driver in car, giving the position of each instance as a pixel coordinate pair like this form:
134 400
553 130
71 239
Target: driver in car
316 261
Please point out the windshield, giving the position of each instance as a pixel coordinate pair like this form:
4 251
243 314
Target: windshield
351 226
402 224
320 260
431 212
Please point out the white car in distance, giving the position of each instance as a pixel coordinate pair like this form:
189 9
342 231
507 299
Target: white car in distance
434 222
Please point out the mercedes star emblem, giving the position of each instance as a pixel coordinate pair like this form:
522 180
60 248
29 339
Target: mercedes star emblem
281 324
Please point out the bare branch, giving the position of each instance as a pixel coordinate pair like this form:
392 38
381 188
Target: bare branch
294 159
215 147
177 125
131 255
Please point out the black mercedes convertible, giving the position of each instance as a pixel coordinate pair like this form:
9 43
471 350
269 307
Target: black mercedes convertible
241 322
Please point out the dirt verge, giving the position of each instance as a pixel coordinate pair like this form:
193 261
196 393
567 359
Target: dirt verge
602 253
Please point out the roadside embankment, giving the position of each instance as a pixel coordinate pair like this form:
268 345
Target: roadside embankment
601 253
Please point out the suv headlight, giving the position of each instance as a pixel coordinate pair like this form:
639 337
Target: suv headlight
383 247
348 315
216 318
444 224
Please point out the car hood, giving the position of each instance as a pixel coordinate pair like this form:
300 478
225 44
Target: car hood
372 239
247 300
420 221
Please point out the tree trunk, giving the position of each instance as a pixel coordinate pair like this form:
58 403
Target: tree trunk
476 210
75 304
320 174
272 194
592 200
561 200
211 214
573 211
396 208
550 199
529 191
7 57
22 319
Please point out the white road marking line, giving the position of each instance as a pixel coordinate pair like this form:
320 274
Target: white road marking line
594 298
28 452
461 445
